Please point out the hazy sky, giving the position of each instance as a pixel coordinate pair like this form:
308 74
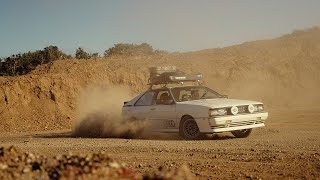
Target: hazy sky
174 25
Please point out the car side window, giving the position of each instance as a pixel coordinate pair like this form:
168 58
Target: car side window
146 99
163 98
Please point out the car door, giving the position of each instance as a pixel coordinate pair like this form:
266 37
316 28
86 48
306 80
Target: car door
163 112
142 108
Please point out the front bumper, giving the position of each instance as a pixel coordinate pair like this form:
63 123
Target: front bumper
232 123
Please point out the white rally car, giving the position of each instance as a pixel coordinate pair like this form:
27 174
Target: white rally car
192 110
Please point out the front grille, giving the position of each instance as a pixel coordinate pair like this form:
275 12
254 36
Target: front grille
218 127
241 123
242 109
237 124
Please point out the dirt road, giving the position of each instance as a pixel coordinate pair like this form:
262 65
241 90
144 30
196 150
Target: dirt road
288 147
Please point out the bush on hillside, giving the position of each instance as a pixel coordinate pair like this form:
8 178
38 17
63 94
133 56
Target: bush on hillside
19 64
143 49
82 54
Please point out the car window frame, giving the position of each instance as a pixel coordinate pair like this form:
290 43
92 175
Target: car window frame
170 94
214 92
154 97
152 103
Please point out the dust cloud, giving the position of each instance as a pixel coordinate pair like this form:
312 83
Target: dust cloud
99 114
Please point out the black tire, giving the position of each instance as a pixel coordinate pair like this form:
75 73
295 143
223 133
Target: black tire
242 133
189 128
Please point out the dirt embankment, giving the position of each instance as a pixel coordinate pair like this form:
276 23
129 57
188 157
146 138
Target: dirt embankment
282 72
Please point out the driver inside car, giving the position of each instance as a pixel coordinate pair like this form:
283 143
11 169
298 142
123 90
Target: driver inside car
195 94
164 98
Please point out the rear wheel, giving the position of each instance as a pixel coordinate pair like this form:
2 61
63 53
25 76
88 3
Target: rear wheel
242 133
189 128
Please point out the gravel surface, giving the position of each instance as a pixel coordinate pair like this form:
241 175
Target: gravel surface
288 147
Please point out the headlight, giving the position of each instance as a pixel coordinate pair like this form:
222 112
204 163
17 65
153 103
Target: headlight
217 112
258 107
251 108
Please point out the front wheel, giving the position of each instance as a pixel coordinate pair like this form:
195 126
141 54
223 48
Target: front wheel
242 133
189 128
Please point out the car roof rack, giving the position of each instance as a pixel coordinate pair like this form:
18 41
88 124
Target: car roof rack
170 75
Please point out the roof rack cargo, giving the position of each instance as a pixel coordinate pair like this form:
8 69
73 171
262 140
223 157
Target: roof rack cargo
170 75
155 71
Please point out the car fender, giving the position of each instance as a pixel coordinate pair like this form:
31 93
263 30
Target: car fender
198 113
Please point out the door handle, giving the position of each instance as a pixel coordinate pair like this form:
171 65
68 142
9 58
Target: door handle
153 109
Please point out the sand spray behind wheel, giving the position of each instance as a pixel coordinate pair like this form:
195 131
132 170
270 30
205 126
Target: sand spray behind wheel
99 114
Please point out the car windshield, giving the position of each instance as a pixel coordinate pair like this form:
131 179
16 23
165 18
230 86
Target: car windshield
189 93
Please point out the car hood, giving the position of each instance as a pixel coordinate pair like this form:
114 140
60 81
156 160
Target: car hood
219 102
